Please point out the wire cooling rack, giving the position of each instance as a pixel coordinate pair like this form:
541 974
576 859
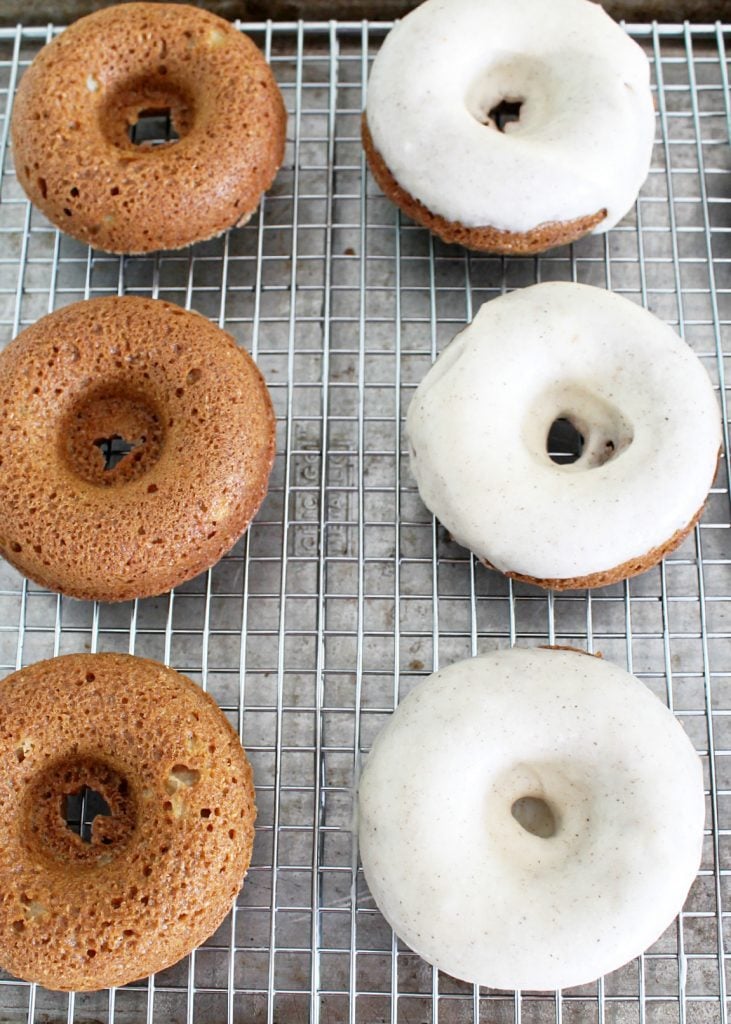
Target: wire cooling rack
345 592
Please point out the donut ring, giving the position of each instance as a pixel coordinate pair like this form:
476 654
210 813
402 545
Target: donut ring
573 161
76 103
192 403
531 819
480 421
161 871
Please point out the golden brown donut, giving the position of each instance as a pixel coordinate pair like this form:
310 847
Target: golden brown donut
82 93
168 381
160 873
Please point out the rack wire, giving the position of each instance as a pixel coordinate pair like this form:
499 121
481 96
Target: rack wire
345 592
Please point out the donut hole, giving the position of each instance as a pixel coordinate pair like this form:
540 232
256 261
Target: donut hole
111 436
574 429
565 442
495 103
153 127
114 449
147 114
503 113
81 808
78 810
515 93
535 816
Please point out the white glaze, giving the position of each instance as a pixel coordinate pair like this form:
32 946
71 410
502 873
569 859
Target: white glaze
479 421
471 890
584 138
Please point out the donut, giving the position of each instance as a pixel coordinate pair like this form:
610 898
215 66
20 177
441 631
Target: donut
77 104
645 419
160 871
530 819
440 144
177 388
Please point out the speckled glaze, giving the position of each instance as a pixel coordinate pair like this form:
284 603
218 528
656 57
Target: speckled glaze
465 885
479 421
584 137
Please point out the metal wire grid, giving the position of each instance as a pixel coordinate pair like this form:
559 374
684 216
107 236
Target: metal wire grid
345 592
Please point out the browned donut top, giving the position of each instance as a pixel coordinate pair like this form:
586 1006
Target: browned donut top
161 871
84 90
192 403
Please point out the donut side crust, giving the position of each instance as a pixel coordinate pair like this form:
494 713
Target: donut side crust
481 239
625 571
568 647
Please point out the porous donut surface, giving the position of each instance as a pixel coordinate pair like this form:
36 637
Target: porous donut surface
479 422
583 140
162 869
474 892
75 104
175 386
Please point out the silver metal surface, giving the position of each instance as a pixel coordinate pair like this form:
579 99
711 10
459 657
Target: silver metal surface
345 592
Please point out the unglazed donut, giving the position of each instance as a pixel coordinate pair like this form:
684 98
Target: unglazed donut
197 412
574 160
479 422
84 91
531 819
160 873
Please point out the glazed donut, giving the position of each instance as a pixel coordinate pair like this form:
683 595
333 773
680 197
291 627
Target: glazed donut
531 819
78 101
573 161
160 872
199 417
640 400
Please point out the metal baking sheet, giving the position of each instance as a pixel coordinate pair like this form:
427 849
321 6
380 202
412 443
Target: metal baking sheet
345 592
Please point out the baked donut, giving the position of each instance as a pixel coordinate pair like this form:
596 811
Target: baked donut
78 102
642 407
199 417
439 144
160 872
531 819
